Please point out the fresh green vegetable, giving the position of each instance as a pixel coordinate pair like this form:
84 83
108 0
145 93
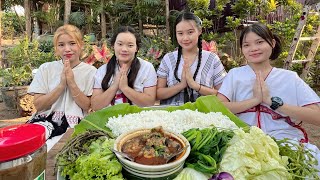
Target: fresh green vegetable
87 156
301 161
207 148
191 174
254 155
98 120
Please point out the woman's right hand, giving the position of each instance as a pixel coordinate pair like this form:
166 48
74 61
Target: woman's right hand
257 91
184 76
116 80
63 78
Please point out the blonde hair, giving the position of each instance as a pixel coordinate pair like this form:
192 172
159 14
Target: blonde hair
70 30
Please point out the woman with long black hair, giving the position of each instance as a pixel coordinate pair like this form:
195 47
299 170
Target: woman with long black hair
125 78
189 72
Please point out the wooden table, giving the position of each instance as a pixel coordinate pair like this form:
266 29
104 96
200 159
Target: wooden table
51 156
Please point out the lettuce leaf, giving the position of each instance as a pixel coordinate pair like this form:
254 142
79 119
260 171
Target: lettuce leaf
205 104
191 174
254 155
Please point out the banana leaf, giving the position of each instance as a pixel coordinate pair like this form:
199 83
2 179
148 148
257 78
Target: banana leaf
99 119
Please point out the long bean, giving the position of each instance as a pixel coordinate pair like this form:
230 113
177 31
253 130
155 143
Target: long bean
302 163
77 146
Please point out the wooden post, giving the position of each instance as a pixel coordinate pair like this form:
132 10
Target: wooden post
67 11
103 21
297 35
167 19
311 55
0 39
27 13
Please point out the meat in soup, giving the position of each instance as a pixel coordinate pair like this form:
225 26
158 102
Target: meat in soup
152 148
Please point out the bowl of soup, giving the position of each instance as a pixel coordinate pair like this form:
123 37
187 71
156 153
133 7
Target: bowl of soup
151 151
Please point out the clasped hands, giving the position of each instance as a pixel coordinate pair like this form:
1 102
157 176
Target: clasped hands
121 78
187 78
261 91
67 76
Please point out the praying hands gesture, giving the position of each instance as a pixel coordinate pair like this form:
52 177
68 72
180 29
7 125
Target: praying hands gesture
187 78
67 76
123 78
261 91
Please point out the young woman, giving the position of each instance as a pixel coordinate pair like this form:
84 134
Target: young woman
125 78
275 100
62 89
189 72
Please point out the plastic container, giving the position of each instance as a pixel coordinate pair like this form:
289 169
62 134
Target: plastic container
23 152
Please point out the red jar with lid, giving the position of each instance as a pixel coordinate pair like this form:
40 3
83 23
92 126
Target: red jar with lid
23 152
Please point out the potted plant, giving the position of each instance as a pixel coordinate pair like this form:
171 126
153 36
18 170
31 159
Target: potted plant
22 59
14 84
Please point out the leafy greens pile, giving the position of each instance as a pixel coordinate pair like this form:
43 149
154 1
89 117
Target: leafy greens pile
207 147
88 156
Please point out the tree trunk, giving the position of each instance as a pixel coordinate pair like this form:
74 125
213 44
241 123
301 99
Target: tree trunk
67 11
0 37
103 21
167 19
140 23
27 13
140 27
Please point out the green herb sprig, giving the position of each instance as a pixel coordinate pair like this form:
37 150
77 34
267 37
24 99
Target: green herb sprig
77 146
302 163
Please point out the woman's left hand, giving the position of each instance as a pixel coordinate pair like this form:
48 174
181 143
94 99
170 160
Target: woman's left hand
264 89
68 72
123 83
190 81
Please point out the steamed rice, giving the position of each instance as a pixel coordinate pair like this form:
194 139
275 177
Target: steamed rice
177 121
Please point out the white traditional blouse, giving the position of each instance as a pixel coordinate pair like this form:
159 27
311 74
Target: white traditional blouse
48 78
238 86
146 77
211 73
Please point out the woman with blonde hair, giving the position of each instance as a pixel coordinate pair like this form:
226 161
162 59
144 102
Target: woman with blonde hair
62 88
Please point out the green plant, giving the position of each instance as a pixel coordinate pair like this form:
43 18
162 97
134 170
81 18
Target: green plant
16 76
154 48
46 42
22 59
10 25
49 17
78 19
28 53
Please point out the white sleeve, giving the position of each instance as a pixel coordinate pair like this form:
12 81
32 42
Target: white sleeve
101 72
90 81
227 88
38 84
163 70
151 79
218 70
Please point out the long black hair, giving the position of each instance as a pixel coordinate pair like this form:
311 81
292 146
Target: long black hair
135 65
264 32
188 16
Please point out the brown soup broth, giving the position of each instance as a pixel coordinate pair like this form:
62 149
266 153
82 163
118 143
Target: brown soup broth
152 148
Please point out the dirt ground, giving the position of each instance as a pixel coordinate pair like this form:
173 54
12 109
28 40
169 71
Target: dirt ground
10 117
